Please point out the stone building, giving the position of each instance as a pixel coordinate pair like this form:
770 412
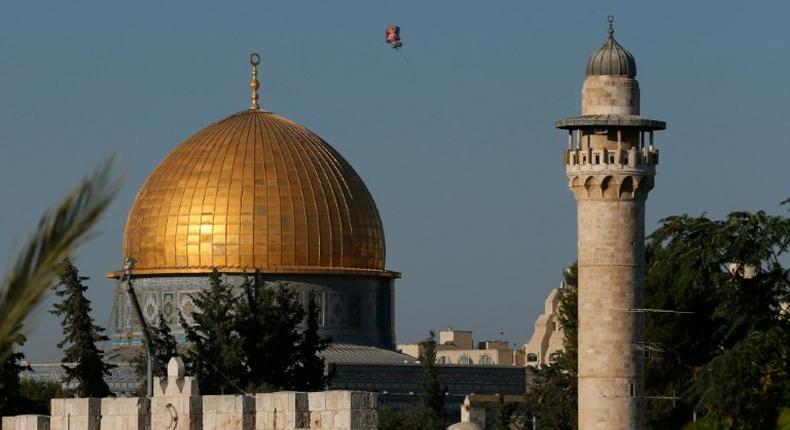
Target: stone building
457 347
547 336
610 163
257 191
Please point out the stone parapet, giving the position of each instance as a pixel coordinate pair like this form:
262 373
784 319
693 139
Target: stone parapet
126 413
228 412
75 414
343 410
286 410
25 422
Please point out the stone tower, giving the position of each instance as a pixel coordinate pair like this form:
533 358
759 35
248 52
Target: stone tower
610 163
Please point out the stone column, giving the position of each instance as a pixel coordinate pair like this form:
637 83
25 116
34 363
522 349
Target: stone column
176 402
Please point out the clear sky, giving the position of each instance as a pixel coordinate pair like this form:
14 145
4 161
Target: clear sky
459 152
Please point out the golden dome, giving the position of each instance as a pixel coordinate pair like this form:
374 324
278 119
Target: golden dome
255 191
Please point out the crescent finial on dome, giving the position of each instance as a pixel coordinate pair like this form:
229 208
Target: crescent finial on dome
255 59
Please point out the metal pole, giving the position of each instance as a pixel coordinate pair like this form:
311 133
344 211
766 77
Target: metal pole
149 371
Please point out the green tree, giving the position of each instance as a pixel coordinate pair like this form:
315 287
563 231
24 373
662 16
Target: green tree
214 355
431 387
11 397
309 373
87 367
729 273
164 346
37 395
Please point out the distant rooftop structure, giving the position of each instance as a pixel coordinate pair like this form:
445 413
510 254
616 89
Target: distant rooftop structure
457 347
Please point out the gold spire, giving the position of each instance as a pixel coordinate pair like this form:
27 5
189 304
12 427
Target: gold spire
255 59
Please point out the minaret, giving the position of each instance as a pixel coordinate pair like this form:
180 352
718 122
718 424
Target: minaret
610 163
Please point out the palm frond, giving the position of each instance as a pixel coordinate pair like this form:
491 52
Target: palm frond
60 230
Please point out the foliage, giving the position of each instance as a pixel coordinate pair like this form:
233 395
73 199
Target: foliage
254 341
268 319
309 373
431 387
87 367
507 416
164 346
60 231
11 397
729 273
36 395
215 355
416 418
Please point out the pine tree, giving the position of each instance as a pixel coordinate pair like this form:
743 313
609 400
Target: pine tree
268 318
215 355
309 374
432 389
80 336
164 346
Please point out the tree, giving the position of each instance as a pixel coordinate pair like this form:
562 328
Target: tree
309 374
86 365
431 387
730 274
11 397
164 346
215 353
37 395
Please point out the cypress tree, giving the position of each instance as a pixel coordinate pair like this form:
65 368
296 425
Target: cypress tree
80 336
431 386
215 355
309 374
11 396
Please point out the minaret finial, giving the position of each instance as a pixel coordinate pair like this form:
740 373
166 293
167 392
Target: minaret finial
610 18
255 59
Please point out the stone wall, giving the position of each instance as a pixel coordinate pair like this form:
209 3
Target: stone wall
177 404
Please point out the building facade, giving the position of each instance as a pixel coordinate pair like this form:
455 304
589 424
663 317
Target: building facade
548 335
610 163
457 347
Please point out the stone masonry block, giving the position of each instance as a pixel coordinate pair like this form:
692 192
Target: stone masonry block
126 413
75 414
228 412
26 422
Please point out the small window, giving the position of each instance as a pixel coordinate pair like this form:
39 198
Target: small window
442 359
464 359
485 359
554 356
597 159
532 357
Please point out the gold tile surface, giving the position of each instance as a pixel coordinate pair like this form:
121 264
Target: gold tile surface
255 191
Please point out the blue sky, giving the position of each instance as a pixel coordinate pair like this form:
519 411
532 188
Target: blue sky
460 154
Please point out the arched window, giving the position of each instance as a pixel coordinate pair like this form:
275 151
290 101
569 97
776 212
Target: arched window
442 359
532 357
485 359
464 359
